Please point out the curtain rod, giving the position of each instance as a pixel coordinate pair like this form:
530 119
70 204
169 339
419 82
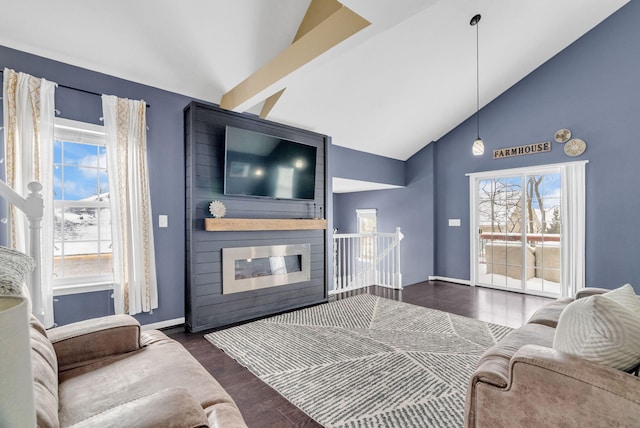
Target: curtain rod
77 89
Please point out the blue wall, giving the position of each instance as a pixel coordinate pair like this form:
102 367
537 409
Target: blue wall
591 88
357 165
410 208
166 170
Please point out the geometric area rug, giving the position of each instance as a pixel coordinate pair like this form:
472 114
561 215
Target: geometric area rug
366 361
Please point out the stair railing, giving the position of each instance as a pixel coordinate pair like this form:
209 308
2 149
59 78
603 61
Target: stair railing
364 259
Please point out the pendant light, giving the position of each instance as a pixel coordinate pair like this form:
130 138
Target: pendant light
478 145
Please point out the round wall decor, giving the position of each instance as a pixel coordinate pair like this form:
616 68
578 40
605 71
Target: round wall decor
575 147
562 136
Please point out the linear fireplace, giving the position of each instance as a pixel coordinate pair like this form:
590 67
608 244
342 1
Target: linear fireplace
252 268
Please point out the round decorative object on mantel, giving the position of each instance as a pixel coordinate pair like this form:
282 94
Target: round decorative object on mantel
562 136
217 209
575 147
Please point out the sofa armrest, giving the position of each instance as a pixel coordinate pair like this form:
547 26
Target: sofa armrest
171 407
550 388
83 342
607 379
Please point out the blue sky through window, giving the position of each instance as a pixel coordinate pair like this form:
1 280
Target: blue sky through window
550 188
79 171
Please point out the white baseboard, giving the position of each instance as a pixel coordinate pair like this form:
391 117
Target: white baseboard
444 278
162 324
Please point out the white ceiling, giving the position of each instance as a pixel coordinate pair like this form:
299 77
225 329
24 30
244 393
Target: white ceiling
402 82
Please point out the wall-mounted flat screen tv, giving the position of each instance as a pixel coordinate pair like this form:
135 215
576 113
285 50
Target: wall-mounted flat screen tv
266 166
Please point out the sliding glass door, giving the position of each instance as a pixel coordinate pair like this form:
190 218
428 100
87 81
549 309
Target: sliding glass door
517 230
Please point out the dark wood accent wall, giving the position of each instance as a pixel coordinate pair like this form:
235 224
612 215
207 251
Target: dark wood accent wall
206 306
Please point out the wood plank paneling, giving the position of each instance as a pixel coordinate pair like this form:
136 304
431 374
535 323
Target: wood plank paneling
206 306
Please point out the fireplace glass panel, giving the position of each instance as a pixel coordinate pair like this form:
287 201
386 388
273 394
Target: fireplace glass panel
265 266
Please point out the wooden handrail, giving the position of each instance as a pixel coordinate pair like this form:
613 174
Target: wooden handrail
12 196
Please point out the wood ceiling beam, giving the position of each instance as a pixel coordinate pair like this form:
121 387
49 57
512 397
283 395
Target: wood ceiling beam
317 12
325 24
269 103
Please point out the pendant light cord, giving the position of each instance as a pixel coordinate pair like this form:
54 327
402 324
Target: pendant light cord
478 77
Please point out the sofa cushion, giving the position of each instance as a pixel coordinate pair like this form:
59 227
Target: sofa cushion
549 314
45 376
590 291
172 407
528 334
600 329
493 366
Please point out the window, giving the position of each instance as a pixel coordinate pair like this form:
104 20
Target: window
82 216
367 220
367 225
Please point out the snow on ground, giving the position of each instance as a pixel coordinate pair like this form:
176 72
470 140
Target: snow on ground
533 284
86 231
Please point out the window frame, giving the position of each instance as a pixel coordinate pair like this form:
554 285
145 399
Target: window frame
87 133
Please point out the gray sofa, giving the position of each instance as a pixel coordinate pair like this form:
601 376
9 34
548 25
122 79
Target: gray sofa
523 382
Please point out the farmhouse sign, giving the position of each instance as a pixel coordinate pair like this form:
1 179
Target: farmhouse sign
529 149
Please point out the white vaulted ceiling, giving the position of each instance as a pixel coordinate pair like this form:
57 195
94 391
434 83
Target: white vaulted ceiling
402 82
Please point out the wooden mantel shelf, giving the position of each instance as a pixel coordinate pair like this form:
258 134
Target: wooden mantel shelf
226 224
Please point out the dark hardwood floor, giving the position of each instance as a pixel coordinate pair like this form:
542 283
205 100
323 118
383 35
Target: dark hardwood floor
262 406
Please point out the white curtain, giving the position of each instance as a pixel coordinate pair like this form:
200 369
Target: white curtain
573 227
28 109
134 264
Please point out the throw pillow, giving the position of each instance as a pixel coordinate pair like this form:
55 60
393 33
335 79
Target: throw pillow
625 296
14 266
599 329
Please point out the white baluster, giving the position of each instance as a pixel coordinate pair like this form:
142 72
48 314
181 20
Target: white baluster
398 279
